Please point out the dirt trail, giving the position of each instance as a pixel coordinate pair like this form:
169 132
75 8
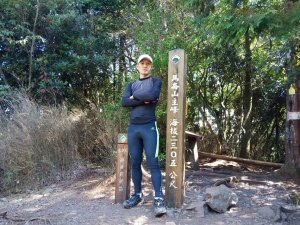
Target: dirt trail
89 200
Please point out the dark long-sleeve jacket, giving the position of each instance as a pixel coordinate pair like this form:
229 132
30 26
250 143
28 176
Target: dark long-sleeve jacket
143 90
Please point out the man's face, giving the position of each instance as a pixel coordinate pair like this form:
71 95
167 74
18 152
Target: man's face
144 67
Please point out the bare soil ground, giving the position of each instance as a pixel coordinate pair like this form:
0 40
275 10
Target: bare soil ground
89 200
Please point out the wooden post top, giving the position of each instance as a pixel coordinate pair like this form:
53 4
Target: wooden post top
122 138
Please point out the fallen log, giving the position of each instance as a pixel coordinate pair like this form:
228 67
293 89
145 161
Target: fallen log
236 159
226 173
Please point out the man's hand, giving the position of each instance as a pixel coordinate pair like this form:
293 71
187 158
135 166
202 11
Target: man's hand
150 102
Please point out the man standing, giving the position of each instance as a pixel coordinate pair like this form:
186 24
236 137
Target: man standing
142 96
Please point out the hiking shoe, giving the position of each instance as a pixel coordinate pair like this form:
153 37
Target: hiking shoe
159 207
133 201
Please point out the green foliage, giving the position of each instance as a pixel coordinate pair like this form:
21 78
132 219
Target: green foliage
74 45
50 89
162 150
4 90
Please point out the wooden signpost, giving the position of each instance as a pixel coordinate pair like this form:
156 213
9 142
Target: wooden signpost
122 185
175 155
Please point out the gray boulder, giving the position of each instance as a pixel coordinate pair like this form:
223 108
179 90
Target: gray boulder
220 198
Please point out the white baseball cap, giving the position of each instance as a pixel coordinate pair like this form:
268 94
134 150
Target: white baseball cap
145 56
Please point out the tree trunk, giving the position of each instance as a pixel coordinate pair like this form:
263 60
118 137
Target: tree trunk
247 100
292 137
33 43
122 62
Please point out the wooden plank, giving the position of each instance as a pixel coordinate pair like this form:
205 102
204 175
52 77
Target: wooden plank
191 153
122 184
248 161
175 157
189 133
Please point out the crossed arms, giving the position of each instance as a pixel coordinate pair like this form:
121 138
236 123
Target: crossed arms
141 97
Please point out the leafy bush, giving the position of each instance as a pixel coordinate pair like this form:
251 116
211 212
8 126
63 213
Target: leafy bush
50 89
4 90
